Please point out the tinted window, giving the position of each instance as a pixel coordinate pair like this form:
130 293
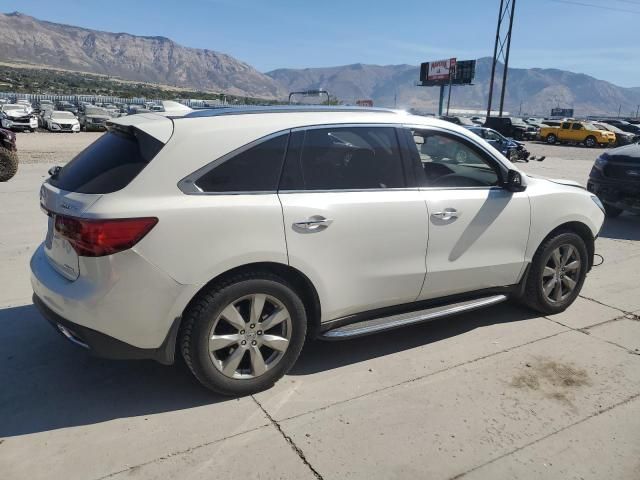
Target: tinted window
565 126
447 161
576 126
108 164
254 170
351 158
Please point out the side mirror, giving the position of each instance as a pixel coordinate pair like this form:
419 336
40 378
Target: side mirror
514 182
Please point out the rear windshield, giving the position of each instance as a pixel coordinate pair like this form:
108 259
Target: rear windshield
109 164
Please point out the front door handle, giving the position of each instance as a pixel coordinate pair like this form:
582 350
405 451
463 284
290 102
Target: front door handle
446 214
313 224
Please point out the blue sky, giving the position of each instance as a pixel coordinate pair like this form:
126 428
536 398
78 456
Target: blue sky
567 34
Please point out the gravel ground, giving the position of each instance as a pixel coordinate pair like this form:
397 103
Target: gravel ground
46 147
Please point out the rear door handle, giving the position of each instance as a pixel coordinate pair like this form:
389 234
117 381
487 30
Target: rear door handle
446 214
313 224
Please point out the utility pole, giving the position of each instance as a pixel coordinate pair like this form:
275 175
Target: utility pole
638 111
441 101
502 49
619 110
450 83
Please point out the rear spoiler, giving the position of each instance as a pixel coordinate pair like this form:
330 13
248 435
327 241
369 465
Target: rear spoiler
157 126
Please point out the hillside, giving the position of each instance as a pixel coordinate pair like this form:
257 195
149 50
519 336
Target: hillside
146 59
538 89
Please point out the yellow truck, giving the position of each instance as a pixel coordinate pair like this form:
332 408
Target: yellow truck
577 132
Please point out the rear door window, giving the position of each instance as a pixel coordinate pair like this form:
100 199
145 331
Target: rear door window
351 158
109 164
256 169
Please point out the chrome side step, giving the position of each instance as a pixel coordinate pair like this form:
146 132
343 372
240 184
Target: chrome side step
381 324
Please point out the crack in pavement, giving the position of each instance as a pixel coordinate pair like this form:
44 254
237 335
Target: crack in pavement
180 452
421 377
533 442
298 451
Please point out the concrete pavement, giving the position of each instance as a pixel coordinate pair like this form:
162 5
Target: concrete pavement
497 393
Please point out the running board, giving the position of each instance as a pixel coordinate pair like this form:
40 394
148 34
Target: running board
382 324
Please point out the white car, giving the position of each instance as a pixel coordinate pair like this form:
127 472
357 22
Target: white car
231 236
15 116
60 121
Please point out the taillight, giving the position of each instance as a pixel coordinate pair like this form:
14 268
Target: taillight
97 238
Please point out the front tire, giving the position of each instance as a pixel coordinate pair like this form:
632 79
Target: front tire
242 335
557 273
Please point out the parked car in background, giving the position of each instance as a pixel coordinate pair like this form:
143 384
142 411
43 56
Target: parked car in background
16 117
43 105
509 147
94 118
552 123
464 121
624 126
60 121
303 223
112 110
615 179
622 137
67 107
511 127
478 120
156 108
8 155
27 105
578 132
134 109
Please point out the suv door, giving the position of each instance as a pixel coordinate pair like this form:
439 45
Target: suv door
478 231
353 225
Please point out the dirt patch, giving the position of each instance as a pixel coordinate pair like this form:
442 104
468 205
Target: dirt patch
554 379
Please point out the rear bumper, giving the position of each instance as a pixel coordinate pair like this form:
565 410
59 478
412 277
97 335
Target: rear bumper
104 346
121 296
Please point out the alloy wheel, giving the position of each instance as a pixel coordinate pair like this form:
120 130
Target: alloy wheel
561 273
250 336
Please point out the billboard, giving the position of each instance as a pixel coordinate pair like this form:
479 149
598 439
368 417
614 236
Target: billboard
441 69
434 74
364 103
562 112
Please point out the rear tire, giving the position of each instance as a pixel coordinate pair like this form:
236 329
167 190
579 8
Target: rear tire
8 164
554 282
551 139
228 346
611 211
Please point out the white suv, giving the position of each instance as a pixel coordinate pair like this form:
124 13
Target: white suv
232 236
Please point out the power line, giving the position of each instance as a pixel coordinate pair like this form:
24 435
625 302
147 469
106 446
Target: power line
601 7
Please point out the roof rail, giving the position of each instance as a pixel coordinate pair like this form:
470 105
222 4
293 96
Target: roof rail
214 112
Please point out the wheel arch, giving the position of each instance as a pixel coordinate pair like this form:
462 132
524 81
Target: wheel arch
580 229
298 280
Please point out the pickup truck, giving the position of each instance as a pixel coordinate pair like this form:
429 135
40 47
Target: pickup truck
577 132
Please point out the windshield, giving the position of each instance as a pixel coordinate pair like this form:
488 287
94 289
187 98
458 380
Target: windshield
96 111
13 107
518 121
63 115
611 128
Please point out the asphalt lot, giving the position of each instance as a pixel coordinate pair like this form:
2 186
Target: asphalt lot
498 393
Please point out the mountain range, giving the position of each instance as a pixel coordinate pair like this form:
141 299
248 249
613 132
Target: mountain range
27 40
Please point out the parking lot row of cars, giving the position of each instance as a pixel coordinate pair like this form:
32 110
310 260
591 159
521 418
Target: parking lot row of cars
591 133
64 116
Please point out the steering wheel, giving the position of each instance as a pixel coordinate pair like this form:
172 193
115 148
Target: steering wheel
455 180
